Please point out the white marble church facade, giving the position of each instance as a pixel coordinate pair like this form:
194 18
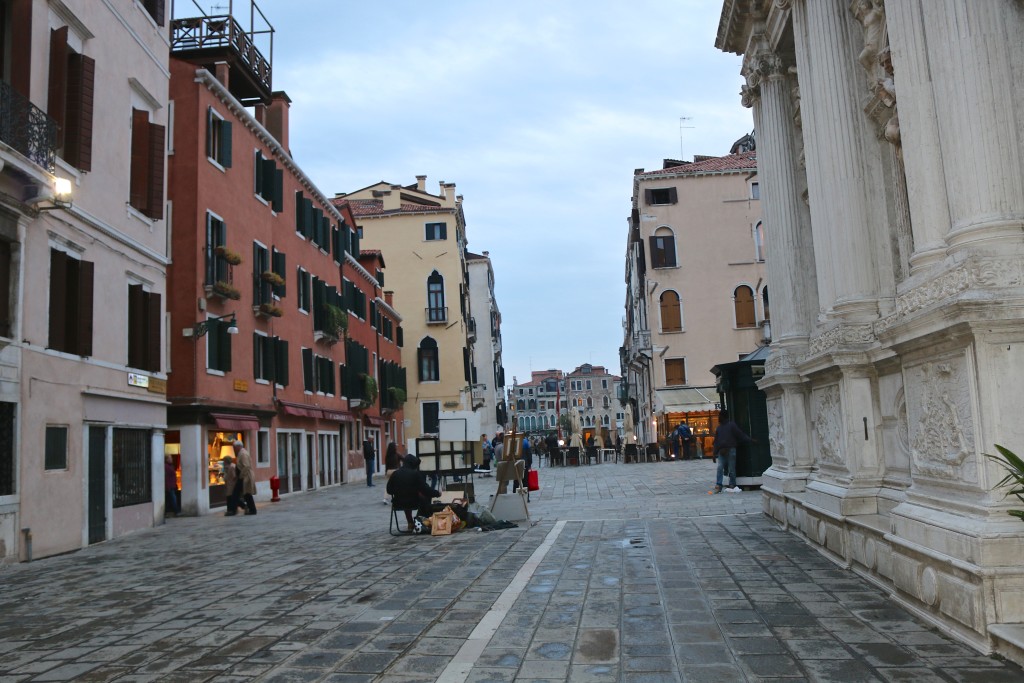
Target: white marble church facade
890 141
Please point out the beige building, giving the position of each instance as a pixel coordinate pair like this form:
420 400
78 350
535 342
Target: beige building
82 272
892 163
700 296
423 238
485 337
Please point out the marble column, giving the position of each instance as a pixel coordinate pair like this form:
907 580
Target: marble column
844 181
974 51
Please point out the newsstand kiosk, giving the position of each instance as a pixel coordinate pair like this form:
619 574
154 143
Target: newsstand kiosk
748 406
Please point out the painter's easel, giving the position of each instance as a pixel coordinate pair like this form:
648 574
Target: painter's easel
511 506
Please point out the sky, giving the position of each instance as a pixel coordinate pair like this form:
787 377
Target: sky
538 111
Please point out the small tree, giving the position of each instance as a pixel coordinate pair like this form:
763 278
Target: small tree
1015 475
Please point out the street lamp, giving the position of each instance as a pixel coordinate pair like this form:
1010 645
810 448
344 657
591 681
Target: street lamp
202 327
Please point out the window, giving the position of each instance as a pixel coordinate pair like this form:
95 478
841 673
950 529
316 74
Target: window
144 316
156 10
305 296
263 448
131 467
663 248
605 402
427 361
70 304
270 359
590 401
604 384
431 417
588 385
147 165
56 453
5 287
218 346
269 182
436 231
216 262
764 304
755 190
436 311
262 289
70 100
7 471
759 250
743 301
308 383
278 264
675 371
667 195
671 312
218 138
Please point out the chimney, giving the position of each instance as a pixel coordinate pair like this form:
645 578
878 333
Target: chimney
421 183
277 117
389 298
447 193
393 199
221 71
487 254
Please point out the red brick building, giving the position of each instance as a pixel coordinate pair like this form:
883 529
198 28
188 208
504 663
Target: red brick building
279 335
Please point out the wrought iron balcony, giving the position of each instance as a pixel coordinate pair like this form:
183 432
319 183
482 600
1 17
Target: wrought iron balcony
27 128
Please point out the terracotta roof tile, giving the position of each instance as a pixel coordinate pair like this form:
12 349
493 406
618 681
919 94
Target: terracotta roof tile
744 161
375 207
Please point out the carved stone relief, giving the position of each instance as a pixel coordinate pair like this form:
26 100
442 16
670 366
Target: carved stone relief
842 334
940 419
827 424
776 438
902 424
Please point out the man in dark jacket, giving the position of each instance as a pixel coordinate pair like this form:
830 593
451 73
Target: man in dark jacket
727 437
409 489
370 456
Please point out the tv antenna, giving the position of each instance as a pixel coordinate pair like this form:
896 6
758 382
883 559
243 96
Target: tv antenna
681 127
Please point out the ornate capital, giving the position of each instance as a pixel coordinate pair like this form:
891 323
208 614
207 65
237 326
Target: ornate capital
783 4
769 65
749 95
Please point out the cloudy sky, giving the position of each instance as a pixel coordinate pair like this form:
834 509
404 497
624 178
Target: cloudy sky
539 111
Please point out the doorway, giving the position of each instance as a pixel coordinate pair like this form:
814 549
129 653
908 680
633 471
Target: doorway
310 461
97 486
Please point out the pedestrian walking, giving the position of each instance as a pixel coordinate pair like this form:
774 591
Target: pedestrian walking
231 484
526 455
171 502
488 453
727 437
247 478
370 456
686 436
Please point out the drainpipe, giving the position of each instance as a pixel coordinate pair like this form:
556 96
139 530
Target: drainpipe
26 534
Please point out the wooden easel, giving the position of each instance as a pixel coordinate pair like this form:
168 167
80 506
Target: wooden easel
511 506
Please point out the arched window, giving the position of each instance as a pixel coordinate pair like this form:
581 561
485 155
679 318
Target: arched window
743 301
759 241
663 248
522 423
436 311
427 361
606 420
590 402
605 402
671 312
764 304
532 404
520 405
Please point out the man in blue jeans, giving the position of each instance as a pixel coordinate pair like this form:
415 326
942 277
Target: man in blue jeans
727 437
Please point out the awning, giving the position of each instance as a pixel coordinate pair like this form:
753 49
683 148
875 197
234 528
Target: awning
235 423
374 420
300 410
687 399
338 415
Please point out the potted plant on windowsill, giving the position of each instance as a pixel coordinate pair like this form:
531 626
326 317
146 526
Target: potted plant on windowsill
268 310
232 258
335 325
273 278
226 290
369 393
397 395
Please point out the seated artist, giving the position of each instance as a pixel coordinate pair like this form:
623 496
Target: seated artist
409 489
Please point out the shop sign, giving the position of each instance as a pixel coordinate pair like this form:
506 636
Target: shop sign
157 385
137 380
241 385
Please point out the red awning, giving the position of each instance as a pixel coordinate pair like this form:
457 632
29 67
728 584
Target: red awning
235 423
374 420
338 415
300 410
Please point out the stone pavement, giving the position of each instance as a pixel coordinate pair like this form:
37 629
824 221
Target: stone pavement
629 573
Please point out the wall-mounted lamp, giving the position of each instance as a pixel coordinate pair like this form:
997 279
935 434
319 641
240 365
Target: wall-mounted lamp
202 327
61 198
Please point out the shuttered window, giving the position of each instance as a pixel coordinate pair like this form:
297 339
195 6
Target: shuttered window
156 9
663 249
56 448
269 182
279 266
70 99
216 265
147 165
675 371
270 359
671 315
427 361
144 315
262 289
743 300
656 196
304 287
307 370
218 138
70 315
218 346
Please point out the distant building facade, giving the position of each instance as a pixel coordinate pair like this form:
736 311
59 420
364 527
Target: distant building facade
705 298
485 337
424 238
890 156
591 389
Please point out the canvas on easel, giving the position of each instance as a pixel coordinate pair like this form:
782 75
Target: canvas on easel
505 505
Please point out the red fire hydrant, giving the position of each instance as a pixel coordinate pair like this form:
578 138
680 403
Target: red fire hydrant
275 486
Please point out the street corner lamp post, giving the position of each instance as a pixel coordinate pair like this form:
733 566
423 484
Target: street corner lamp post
203 326
61 197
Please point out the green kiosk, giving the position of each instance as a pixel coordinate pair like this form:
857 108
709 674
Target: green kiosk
747 405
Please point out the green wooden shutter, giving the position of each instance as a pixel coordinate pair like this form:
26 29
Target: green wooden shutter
307 370
277 197
280 361
269 179
224 350
225 144
154 316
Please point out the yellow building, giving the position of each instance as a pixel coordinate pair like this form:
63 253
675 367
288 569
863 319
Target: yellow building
423 238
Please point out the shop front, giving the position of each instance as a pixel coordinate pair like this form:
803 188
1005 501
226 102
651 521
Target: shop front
697 407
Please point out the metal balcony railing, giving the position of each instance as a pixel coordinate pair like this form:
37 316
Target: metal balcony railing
437 315
472 329
27 128
221 31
